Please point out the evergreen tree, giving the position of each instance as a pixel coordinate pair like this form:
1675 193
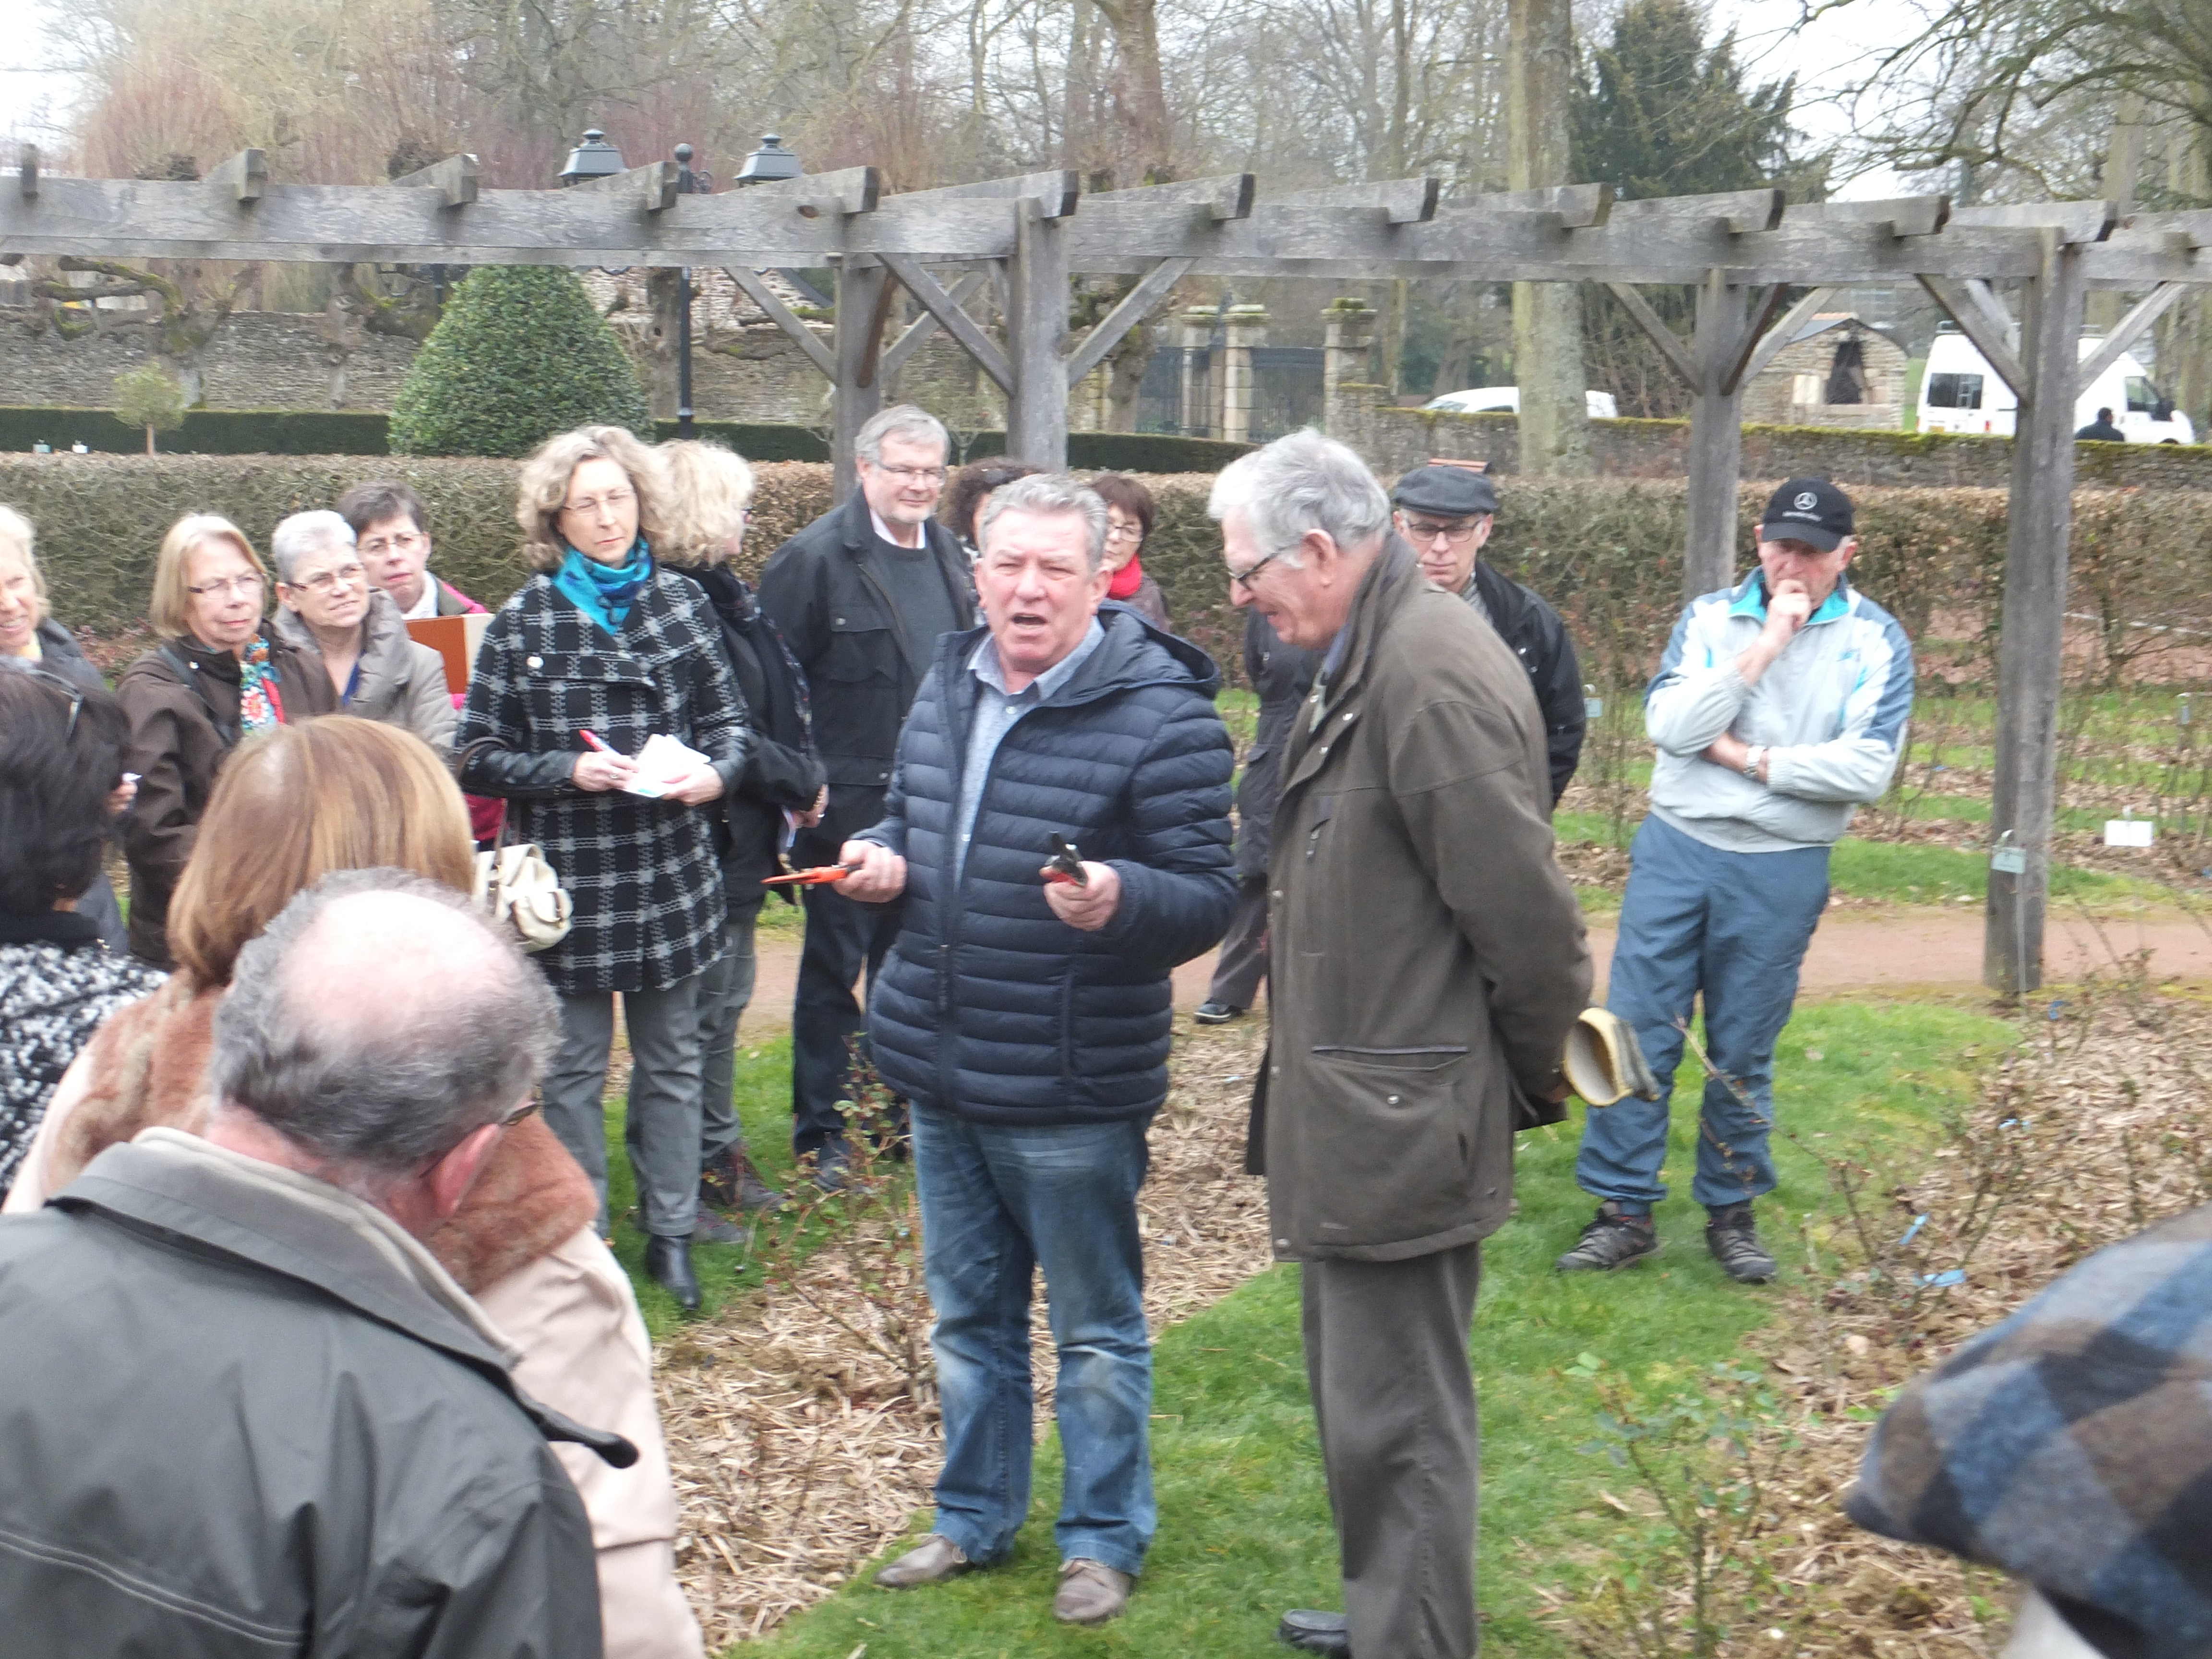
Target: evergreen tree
518 356
1659 113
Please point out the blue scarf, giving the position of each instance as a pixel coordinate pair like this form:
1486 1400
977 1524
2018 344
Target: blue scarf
604 591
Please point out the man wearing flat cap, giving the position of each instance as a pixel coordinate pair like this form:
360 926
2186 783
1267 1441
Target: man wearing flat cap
1779 707
1446 510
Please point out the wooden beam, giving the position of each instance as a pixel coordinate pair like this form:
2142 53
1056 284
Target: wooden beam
840 194
863 298
1036 327
26 173
456 180
2145 312
917 281
1783 332
2193 223
919 331
1905 215
1403 201
1229 197
1971 312
1733 369
2074 221
1685 367
1576 207
1055 192
652 187
1716 447
2031 647
1742 211
1108 331
244 178
779 313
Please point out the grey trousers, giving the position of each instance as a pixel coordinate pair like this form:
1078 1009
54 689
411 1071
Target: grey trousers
663 1125
1386 1356
725 990
1242 962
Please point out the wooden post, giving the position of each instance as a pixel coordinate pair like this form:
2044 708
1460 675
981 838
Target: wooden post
1037 330
2039 523
1716 439
863 295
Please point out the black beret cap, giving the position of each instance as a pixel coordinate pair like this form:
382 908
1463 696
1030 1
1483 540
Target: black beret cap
1446 492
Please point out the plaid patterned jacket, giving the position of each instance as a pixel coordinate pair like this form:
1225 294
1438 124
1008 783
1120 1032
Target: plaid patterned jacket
643 873
2072 1446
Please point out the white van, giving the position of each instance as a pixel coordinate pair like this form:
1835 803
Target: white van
1506 400
1960 392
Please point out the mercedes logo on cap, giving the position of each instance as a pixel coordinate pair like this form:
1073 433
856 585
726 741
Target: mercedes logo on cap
1806 501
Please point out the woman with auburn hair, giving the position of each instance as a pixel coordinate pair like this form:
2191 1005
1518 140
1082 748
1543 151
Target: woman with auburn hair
343 793
782 787
600 651
216 677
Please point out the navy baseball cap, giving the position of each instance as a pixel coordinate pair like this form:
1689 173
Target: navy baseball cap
1446 491
1809 510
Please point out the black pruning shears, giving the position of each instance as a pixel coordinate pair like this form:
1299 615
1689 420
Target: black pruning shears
1065 864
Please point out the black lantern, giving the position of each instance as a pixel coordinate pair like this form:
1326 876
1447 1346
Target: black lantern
770 162
595 158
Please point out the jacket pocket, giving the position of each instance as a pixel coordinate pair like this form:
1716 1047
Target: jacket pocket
861 647
1391 1151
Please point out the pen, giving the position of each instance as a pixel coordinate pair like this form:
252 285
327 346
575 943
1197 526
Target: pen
595 740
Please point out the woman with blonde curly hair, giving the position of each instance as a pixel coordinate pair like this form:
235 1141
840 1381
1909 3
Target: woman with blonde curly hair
600 651
781 788
218 676
352 795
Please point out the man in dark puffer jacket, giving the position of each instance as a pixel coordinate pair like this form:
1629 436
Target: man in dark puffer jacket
1027 1021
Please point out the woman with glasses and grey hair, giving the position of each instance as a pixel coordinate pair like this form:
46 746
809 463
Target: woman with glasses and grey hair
602 651
327 610
214 679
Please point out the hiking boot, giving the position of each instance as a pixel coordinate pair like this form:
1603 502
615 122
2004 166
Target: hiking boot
1089 1593
1734 1241
1615 1239
732 1183
1215 1013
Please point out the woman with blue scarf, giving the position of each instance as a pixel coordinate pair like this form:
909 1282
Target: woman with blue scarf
600 651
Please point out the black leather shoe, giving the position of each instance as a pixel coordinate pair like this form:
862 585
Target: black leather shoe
1310 1631
1617 1238
668 1264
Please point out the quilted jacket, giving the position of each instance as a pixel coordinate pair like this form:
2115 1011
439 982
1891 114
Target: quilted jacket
988 1005
643 873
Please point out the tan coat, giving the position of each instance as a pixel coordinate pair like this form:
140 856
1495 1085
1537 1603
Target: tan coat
1426 955
522 1245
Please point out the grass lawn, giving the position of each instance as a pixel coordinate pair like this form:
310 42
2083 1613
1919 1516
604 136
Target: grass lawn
1245 1525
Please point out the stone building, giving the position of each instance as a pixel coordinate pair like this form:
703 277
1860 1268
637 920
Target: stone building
1841 370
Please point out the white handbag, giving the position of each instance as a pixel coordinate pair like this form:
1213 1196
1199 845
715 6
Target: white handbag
515 887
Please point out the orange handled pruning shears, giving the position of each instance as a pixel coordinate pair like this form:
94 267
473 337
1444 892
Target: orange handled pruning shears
814 877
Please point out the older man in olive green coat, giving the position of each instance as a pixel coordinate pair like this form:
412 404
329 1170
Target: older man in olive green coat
1427 961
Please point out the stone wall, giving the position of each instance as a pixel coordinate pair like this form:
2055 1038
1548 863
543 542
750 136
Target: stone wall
1393 439
1772 398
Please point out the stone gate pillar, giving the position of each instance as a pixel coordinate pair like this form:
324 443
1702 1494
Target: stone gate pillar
1347 337
1247 327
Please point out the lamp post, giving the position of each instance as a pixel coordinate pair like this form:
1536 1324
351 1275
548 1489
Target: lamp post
770 163
595 158
688 182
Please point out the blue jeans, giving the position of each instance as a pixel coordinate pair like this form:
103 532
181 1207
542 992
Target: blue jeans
997 1203
1734 925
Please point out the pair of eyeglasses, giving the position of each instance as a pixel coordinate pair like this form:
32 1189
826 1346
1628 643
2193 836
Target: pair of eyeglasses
406 542
529 1106
1455 535
1127 533
1243 578
324 581
932 475
245 585
614 501
68 688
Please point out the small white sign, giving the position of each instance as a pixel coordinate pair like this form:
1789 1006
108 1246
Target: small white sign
2128 832
2009 860
1594 708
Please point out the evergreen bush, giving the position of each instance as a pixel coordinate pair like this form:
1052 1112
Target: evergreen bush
520 354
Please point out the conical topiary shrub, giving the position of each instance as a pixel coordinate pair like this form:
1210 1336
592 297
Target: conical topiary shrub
518 356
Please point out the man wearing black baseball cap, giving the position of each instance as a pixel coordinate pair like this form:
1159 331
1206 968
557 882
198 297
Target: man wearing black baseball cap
1446 509
1779 707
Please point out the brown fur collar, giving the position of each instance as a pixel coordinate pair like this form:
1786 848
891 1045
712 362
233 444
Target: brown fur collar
145 1068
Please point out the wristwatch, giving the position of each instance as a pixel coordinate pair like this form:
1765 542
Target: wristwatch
1751 759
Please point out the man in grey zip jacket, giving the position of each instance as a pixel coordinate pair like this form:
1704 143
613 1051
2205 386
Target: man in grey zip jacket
1779 707
245 1410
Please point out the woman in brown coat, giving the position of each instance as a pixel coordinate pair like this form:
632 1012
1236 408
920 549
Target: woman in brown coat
347 795
216 677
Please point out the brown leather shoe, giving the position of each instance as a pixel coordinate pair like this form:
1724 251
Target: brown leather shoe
931 1561
1089 1593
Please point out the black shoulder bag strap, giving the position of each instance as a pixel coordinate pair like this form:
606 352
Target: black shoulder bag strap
229 733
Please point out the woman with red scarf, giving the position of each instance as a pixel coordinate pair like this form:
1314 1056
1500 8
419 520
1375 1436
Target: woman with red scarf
1128 523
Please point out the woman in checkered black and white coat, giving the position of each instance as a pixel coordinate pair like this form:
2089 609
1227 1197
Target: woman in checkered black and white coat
601 640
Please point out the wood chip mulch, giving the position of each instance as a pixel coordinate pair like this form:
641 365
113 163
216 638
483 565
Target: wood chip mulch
800 1447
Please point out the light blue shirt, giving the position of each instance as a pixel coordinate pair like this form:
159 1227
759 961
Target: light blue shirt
996 711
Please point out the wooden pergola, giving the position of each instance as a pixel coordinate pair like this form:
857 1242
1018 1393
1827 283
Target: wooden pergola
1029 236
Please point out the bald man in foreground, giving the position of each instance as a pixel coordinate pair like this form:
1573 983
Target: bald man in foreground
246 1409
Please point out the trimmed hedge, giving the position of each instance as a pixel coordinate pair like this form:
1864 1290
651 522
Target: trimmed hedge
1608 552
